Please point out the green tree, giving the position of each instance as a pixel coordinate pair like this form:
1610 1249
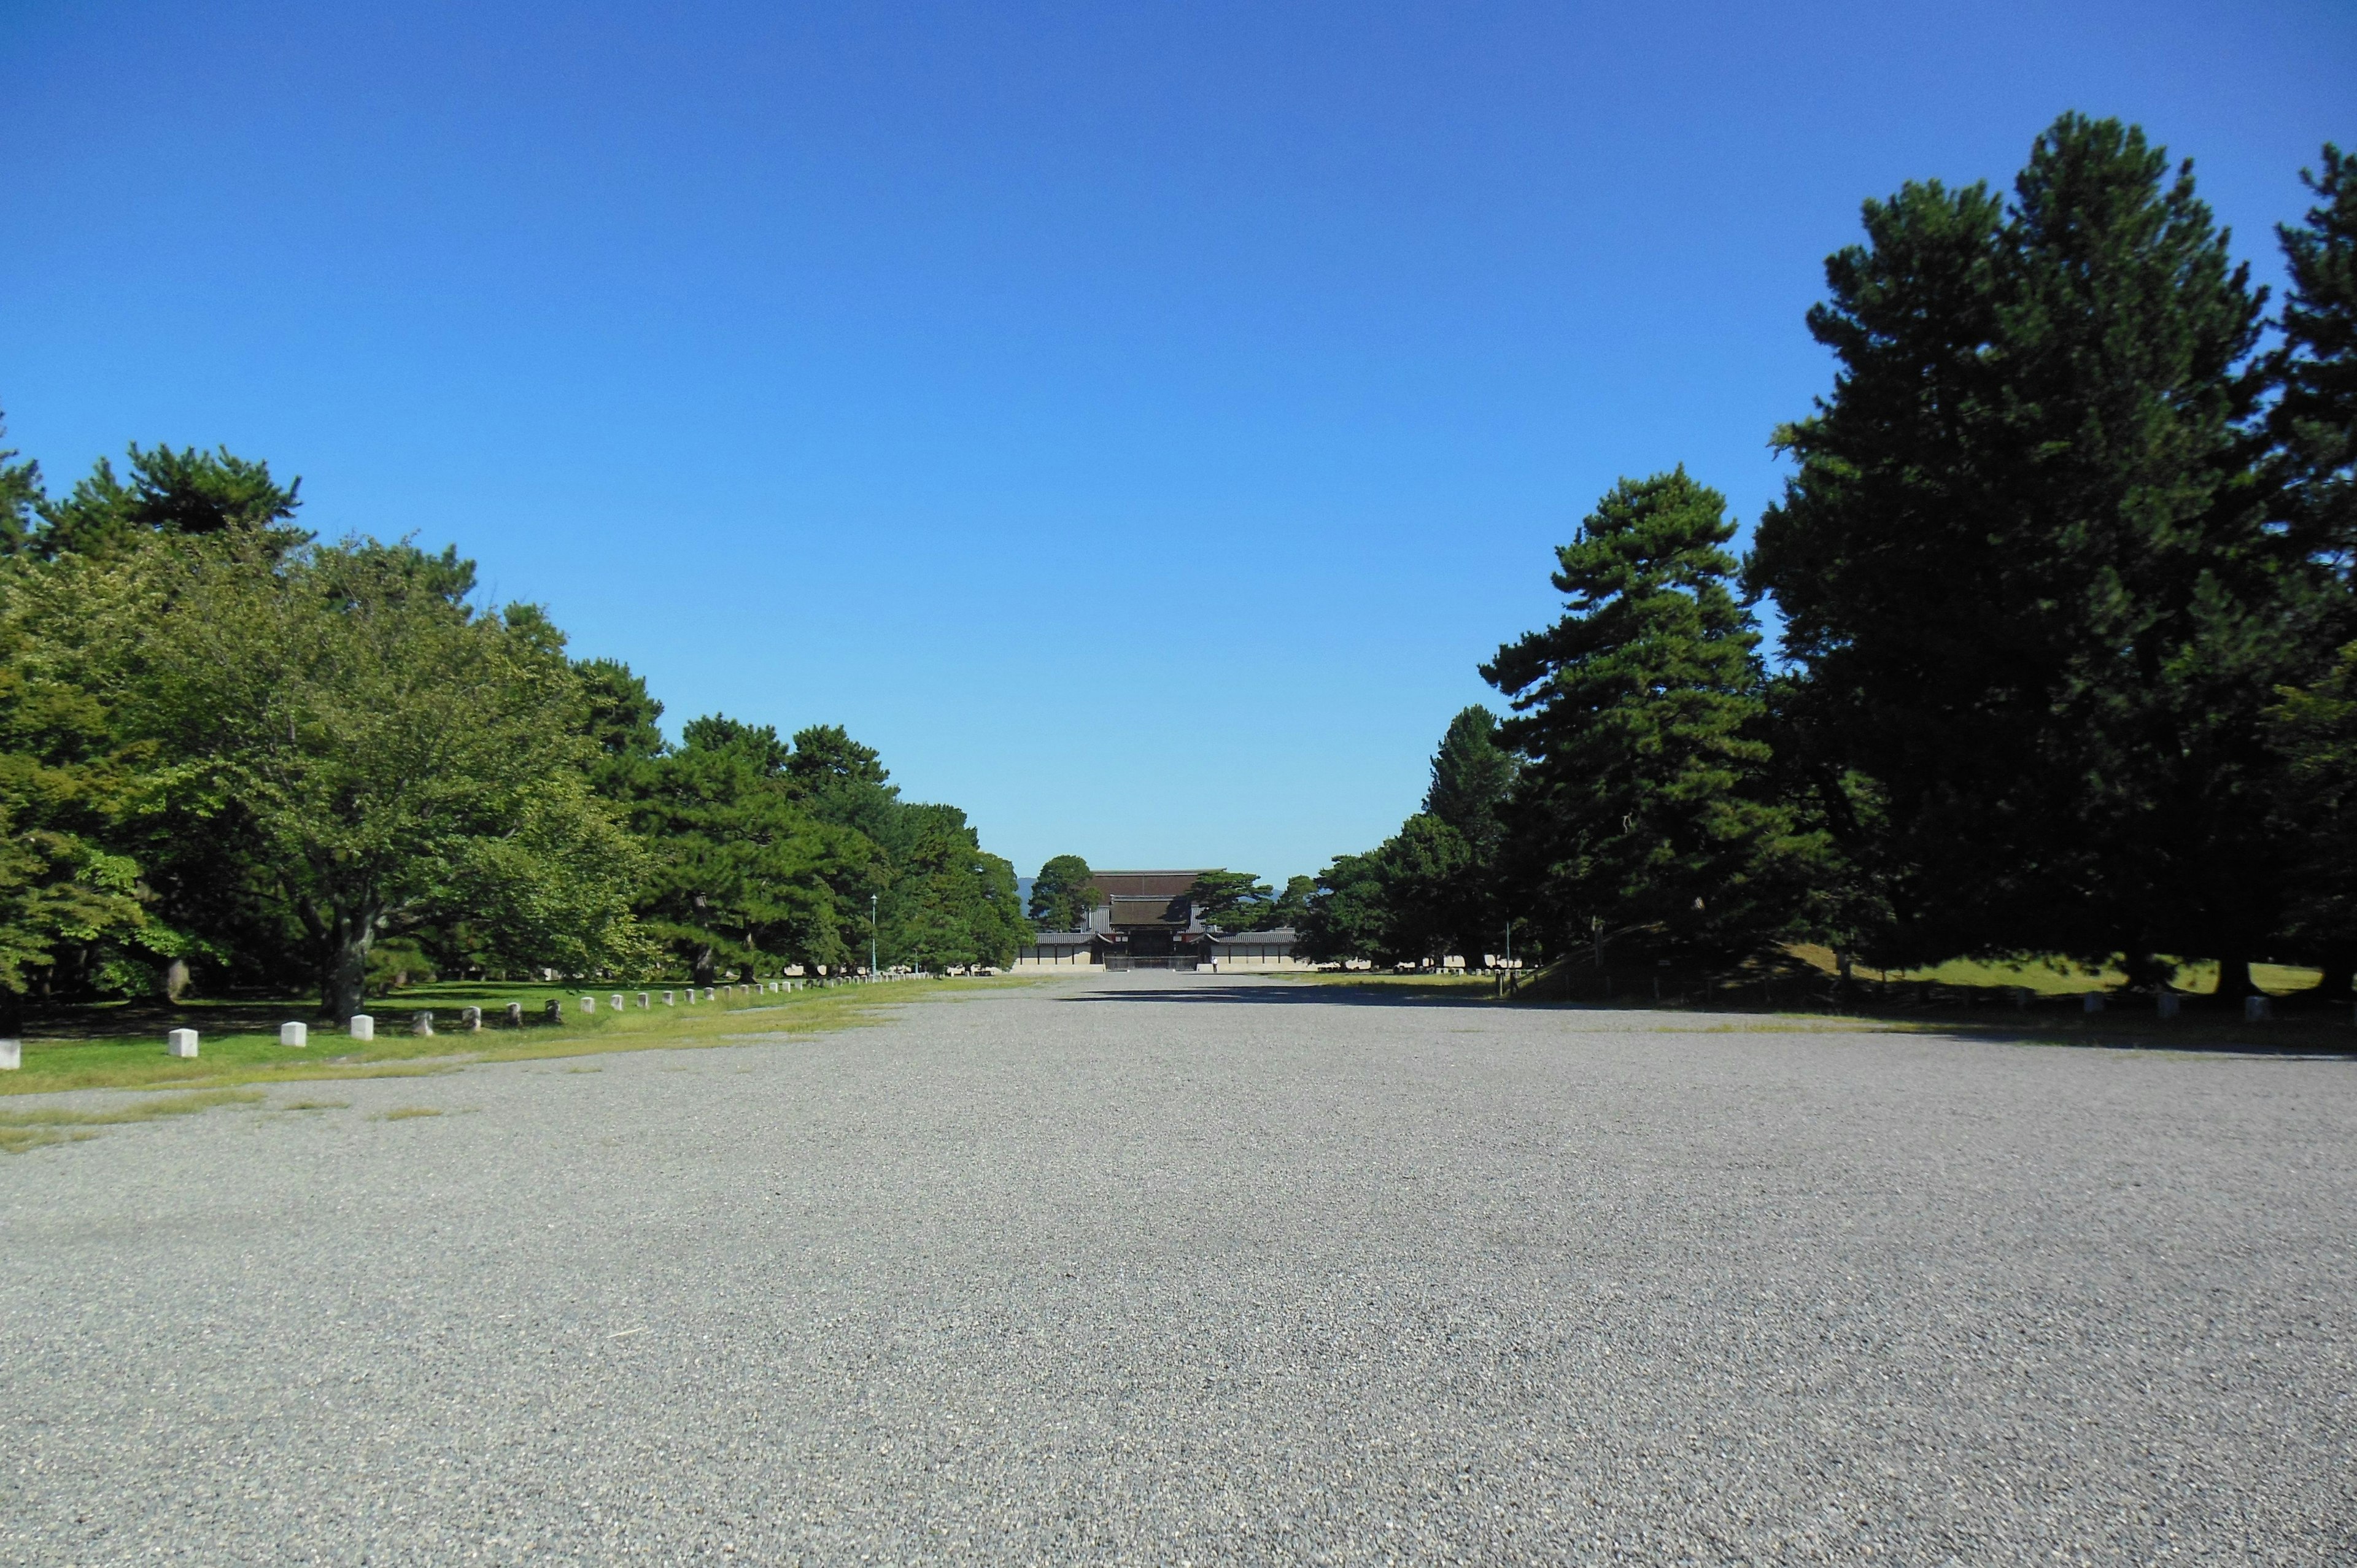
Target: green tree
1429 890
2314 422
1472 776
1292 906
1230 900
2314 425
1472 781
66 782
940 899
1349 919
950 902
2025 575
844 783
21 499
1062 894
1640 800
742 871
381 757
2316 728
184 493
619 715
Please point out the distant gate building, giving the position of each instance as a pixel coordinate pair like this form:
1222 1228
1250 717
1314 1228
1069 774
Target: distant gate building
1145 919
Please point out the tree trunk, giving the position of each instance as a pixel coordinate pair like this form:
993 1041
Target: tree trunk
2235 976
2144 971
341 987
2339 962
704 971
176 979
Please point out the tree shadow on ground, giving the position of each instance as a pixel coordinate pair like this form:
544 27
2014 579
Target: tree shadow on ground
2056 1021
1282 994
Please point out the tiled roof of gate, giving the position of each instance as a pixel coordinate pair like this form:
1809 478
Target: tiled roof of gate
1163 910
1144 884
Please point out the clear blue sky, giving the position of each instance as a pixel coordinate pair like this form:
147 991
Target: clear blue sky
1136 420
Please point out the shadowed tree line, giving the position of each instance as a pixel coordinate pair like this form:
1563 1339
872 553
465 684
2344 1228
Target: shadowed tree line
2067 653
235 756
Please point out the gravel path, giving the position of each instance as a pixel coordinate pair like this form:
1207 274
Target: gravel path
1182 1269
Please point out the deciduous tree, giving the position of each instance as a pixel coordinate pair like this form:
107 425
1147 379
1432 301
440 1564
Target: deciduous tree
383 756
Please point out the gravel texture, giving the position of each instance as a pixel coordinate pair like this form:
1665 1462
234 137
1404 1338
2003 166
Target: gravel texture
1180 1268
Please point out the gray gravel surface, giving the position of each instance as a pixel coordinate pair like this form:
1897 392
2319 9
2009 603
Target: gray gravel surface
1183 1269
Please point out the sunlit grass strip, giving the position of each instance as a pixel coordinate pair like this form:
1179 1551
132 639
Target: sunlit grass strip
29 1127
139 1062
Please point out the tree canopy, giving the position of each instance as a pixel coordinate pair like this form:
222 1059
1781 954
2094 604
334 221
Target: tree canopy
1062 894
381 757
285 761
2063 574
1639 801
2027 576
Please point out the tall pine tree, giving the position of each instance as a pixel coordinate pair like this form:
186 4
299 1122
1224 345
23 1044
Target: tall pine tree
2027 570
1637 804
2314 423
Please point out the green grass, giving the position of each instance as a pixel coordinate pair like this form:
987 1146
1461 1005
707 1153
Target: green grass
2060 977
122 1046
1794 992
29 1127
1427 983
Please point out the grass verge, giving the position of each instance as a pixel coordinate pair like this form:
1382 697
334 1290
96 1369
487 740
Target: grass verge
29 1127
1979 1001
86 1059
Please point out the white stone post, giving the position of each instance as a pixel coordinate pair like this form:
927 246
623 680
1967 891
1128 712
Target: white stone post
615 1002
421 1024
589 1005
181 1042
554 1011
363 1026
643 1000
470 1020
515 1015
296 1035
671 998
12 1055
2255 1010
709 994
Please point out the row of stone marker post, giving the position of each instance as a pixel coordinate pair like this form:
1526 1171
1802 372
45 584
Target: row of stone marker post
2170 1003
646 999
183 1042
